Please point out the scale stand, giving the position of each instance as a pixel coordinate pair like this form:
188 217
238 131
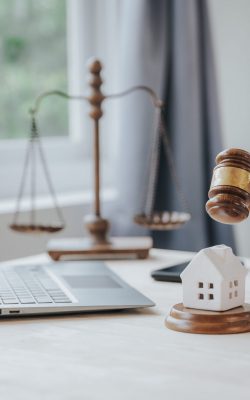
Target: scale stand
119 247
98 244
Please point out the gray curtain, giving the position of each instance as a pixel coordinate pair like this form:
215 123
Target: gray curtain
167 45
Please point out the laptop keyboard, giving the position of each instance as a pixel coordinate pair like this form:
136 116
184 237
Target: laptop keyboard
26 287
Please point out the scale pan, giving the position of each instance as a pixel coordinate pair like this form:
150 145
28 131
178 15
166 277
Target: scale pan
162 220
28 228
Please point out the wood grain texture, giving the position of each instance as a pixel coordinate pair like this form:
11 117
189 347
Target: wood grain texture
190 320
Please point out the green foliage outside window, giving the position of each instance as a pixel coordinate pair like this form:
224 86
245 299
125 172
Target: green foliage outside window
33 60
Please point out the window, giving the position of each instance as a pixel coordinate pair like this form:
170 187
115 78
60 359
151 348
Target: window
230 295
210 296
210 286
45 45
230 284
200 285
236 293
235 283
33 59
200 296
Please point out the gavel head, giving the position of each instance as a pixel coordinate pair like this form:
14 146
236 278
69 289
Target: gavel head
229 194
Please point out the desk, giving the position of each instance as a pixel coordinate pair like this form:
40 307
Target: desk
122 355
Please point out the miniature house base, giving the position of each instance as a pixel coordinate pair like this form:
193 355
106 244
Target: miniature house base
190 320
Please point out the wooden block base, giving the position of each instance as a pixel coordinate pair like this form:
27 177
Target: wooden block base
190 320
119 247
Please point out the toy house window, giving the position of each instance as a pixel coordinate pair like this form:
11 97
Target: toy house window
200 285
210 296
210 286
236 293
236 283
230 284
230 295
200 296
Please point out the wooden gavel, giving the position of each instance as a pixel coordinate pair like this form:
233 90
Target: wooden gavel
229 194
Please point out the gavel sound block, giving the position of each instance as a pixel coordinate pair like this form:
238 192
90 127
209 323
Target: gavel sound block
229 203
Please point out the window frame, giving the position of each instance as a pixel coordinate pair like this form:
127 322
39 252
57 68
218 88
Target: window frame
71 150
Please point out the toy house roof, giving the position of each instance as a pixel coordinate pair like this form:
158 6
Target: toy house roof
220 258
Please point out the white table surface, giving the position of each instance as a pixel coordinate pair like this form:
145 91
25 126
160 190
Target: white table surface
122 355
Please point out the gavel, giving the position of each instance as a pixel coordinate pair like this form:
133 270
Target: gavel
229 194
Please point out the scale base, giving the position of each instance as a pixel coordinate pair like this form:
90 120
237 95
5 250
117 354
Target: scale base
119 247
190 320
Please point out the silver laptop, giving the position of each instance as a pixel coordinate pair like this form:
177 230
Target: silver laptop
65 287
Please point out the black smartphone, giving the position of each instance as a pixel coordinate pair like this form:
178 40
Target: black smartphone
170 274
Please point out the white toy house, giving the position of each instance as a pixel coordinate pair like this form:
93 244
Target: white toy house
214 280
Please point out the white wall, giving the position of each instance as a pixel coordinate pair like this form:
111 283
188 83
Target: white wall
231 37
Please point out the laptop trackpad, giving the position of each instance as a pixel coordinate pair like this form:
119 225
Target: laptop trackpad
91 282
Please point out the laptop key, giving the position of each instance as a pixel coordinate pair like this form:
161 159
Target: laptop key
59 295
27 301
24 294
10 301
43 300
6 293
66 300
8 297
40 294
23 298
40 301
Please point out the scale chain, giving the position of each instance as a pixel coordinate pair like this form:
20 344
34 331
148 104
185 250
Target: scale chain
34 136
50 186
154 165
21 188
30 157
170 160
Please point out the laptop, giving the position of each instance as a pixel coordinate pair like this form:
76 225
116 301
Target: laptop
63 288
